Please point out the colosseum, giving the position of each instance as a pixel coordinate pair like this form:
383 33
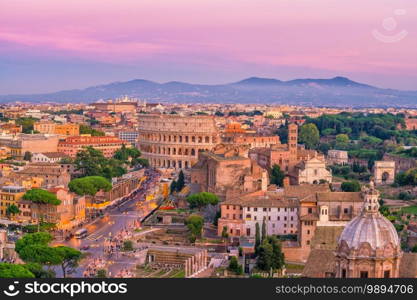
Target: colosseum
174 141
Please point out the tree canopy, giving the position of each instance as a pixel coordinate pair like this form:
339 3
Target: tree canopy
309 136
351 186
408 177
40 196
234 266
26 123
42 238
69 258
195 226
12 210
8 270
91 162
129 156
34 249
202 199
89 185
85 129
277 176
270 254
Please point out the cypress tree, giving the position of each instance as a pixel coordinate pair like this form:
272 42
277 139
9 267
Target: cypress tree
180 182
263 230
257 238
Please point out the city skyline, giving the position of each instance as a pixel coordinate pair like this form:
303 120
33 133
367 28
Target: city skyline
48 46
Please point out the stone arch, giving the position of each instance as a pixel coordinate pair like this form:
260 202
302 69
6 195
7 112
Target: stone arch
384 172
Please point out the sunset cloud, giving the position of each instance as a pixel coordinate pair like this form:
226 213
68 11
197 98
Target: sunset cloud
208 40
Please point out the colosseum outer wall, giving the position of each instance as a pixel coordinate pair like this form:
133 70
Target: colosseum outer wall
174 141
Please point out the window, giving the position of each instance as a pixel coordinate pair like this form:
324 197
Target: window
255 209
310 210
346 211
264 208
248 231
364 274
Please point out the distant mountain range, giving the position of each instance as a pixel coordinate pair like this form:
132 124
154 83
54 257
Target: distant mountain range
337 92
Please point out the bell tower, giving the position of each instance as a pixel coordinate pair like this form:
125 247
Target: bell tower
292 144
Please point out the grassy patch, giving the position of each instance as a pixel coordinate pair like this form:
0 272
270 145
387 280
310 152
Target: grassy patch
180 274
409 210
294 267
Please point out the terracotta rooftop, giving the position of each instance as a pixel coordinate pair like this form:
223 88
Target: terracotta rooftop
340 197
54 154
319 262
303 190
310 217
326 237
265 199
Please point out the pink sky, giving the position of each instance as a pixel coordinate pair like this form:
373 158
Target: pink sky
208 41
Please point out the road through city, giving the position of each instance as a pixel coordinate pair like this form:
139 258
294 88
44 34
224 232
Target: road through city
120 218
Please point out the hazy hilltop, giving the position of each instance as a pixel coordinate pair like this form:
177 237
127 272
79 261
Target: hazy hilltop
337 91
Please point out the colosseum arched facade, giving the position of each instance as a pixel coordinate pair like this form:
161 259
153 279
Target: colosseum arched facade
174 141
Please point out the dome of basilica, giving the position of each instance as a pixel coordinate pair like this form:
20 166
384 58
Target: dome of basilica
370 226
374 229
